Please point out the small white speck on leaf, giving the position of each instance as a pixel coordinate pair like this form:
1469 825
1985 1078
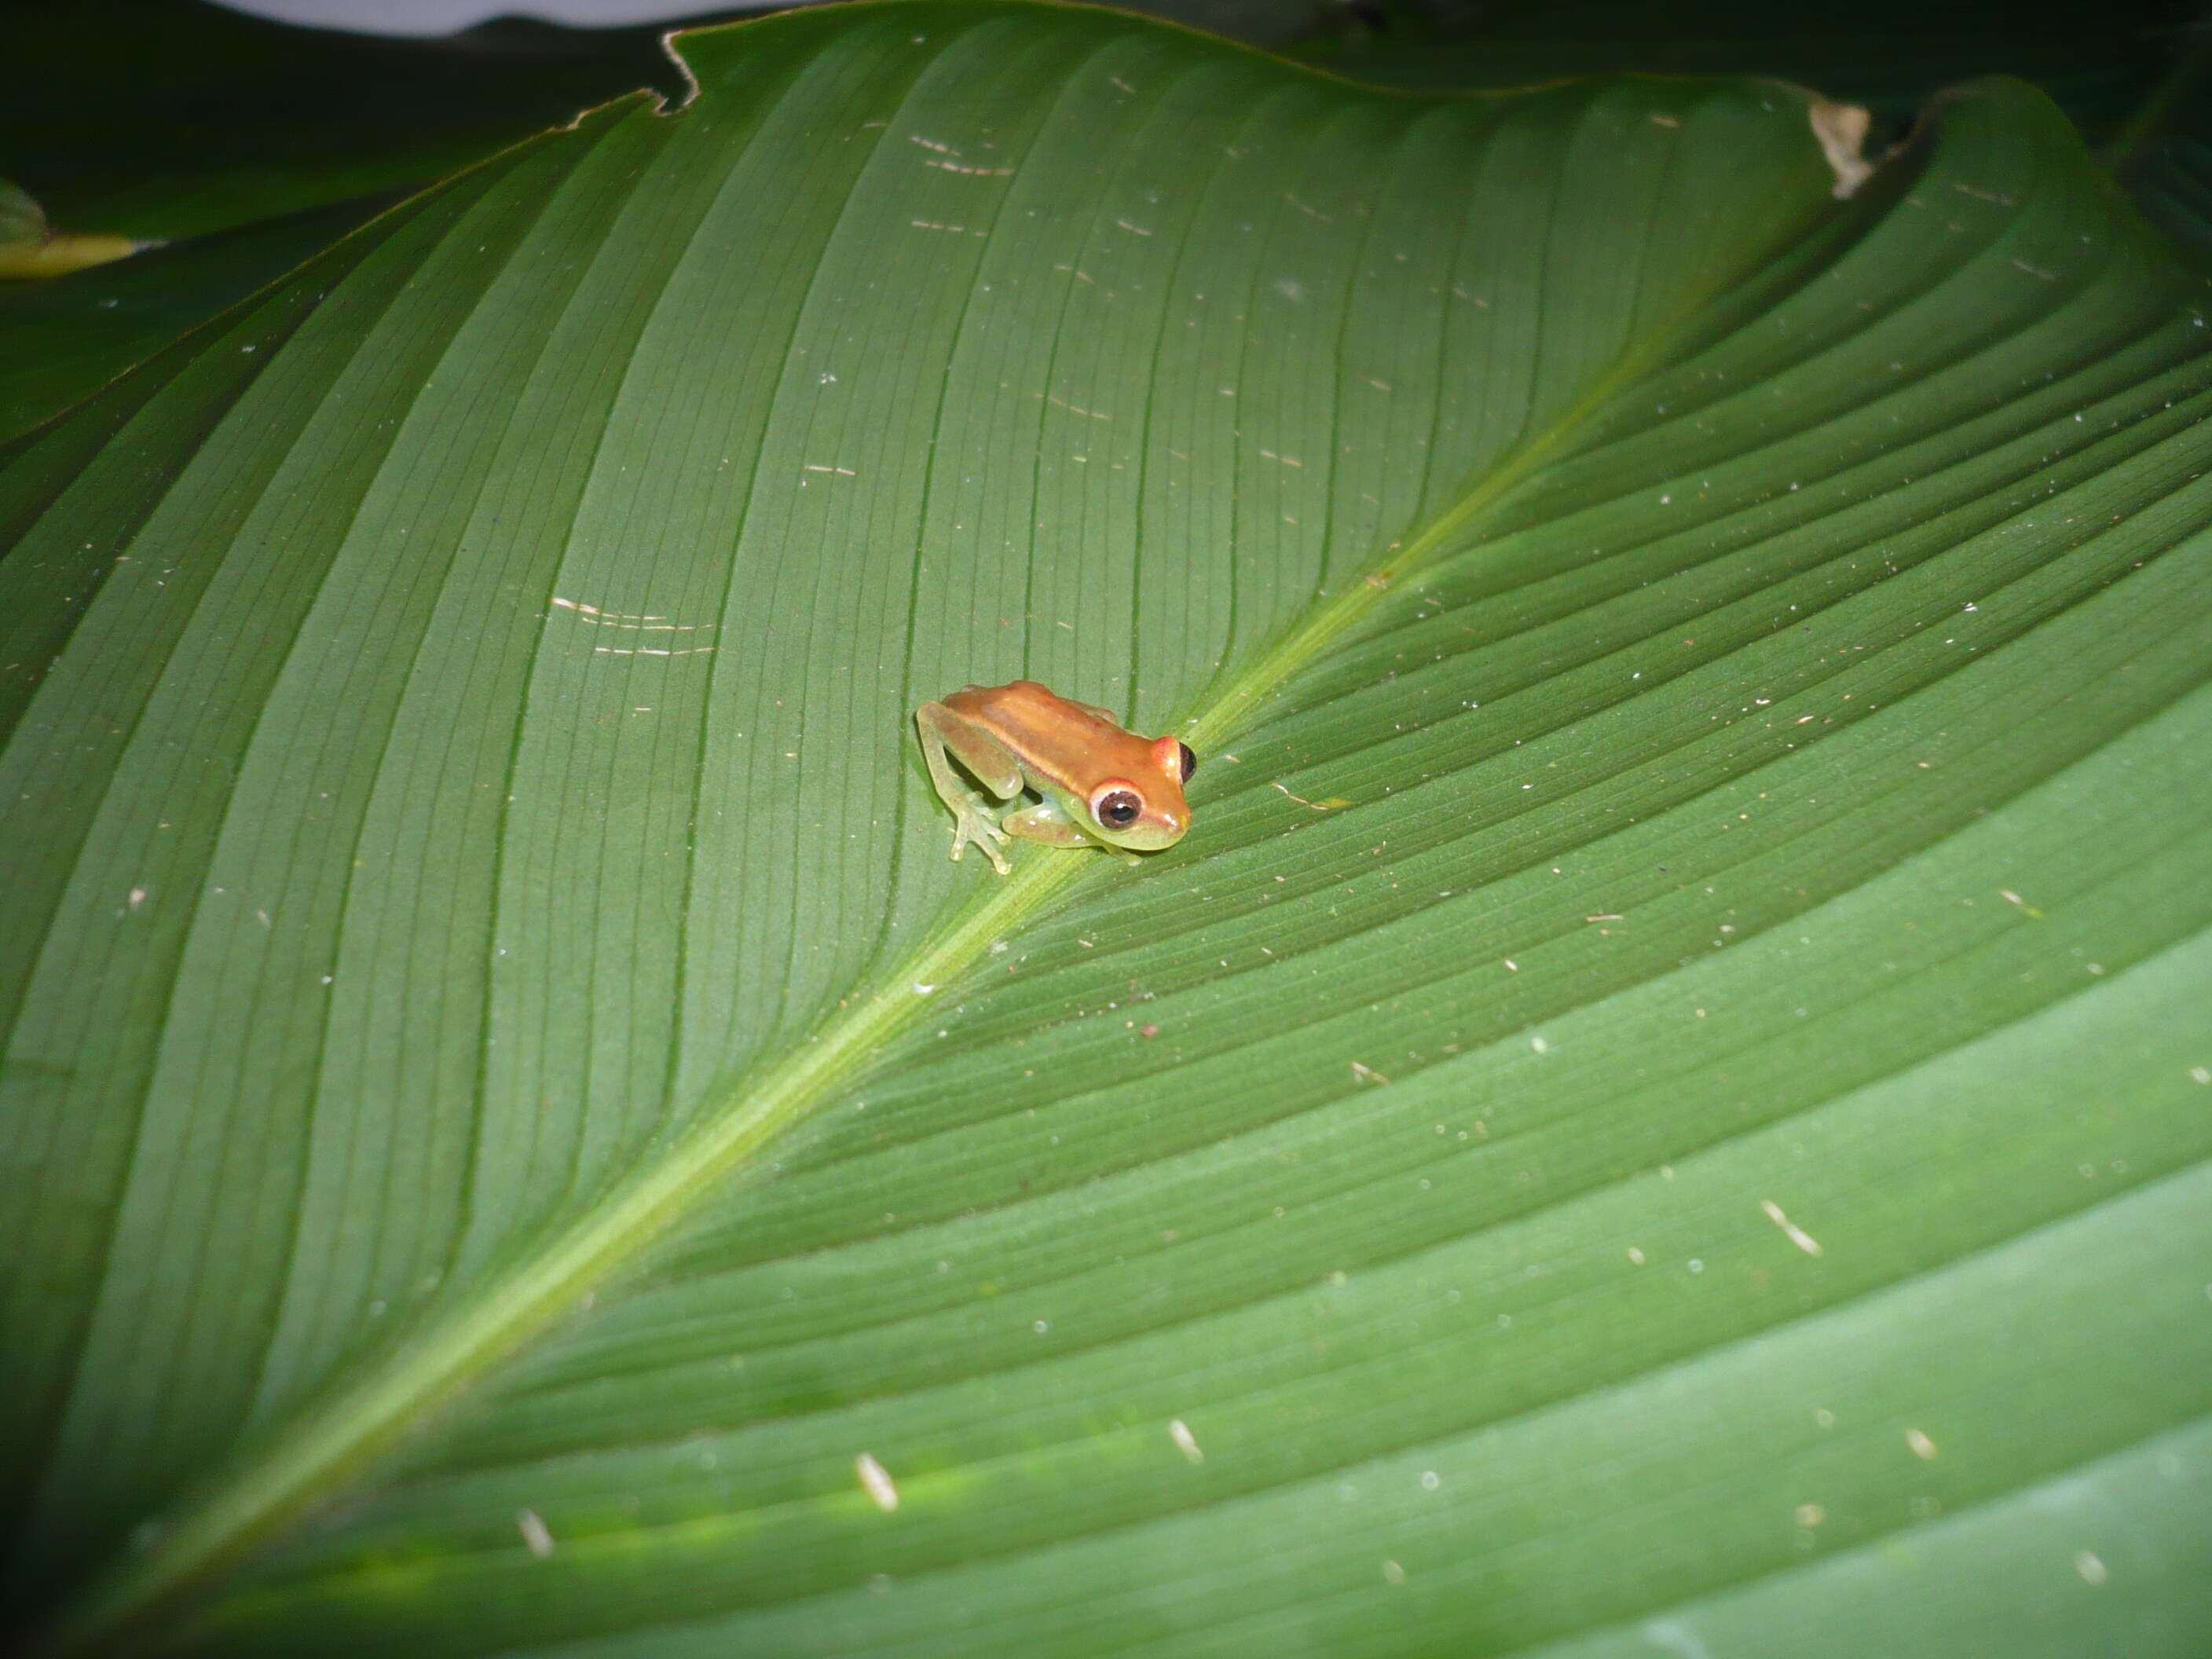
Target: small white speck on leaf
1790 1230
1186 1442
1922 1447
2092 1571
876 1481
537 1537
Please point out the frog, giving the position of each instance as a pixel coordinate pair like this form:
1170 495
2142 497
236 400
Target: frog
1099 785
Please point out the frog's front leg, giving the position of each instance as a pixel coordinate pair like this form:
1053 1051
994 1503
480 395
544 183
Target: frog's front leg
941 729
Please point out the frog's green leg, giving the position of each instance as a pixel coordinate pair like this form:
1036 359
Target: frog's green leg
1047 823
940 729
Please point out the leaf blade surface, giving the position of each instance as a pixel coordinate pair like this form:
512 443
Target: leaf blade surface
1687 672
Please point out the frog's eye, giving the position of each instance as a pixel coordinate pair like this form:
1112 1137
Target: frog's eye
1173 759
1117 809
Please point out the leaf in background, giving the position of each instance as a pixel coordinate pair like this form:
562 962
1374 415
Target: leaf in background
247 147
176 119
30 248
2164 158
1711 1137
1892 56
61 340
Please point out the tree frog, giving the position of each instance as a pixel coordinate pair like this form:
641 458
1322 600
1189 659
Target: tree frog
1100 784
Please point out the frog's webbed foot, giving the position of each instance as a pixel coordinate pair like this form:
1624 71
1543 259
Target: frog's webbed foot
972 823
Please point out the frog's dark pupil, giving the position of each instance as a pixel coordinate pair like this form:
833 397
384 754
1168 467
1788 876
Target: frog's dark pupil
1190 762
1119 808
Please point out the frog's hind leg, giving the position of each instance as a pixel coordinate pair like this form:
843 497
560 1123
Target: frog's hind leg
1046 823
940 729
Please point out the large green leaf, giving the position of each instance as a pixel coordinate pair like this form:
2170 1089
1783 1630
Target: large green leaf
1664 1104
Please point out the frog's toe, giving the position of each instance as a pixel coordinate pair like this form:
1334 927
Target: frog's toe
991 848
981 829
